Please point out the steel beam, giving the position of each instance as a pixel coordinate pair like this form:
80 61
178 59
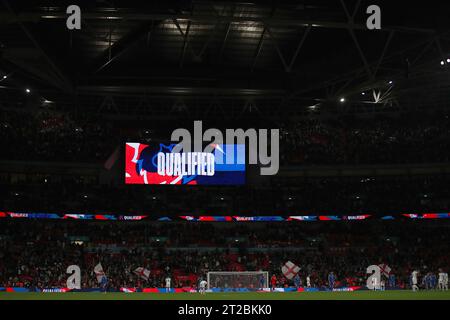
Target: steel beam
67 82
288 21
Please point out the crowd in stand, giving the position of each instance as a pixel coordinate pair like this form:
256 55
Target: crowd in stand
312 195
50 136
36 253
407 139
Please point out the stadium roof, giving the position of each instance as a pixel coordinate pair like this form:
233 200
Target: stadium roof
201 57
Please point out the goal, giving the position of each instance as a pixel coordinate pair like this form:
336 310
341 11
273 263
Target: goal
238 279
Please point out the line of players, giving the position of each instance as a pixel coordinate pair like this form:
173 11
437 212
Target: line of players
297 281
202 284
428 281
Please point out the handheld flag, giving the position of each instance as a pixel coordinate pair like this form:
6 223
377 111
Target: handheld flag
385 269
290 270
99 273
142 272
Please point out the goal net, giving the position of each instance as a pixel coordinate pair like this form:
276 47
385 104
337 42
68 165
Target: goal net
238 279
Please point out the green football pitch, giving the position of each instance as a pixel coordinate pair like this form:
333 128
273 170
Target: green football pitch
356 295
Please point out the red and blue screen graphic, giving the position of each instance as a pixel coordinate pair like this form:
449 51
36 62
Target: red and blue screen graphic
160 163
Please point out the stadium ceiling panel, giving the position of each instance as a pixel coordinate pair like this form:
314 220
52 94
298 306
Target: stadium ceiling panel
298 53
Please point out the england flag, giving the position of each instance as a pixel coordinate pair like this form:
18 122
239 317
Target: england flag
290 270
385 269
142 272
99 273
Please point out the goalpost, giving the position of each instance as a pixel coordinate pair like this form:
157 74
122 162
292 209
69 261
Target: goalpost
238 279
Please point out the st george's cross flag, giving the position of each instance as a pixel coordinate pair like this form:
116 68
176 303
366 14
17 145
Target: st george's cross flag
99 273
142 272
385 269
290 270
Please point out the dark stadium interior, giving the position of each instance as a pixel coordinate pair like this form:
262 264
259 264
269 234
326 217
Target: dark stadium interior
363 115
364 139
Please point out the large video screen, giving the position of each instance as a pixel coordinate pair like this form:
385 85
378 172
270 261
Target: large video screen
159 163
